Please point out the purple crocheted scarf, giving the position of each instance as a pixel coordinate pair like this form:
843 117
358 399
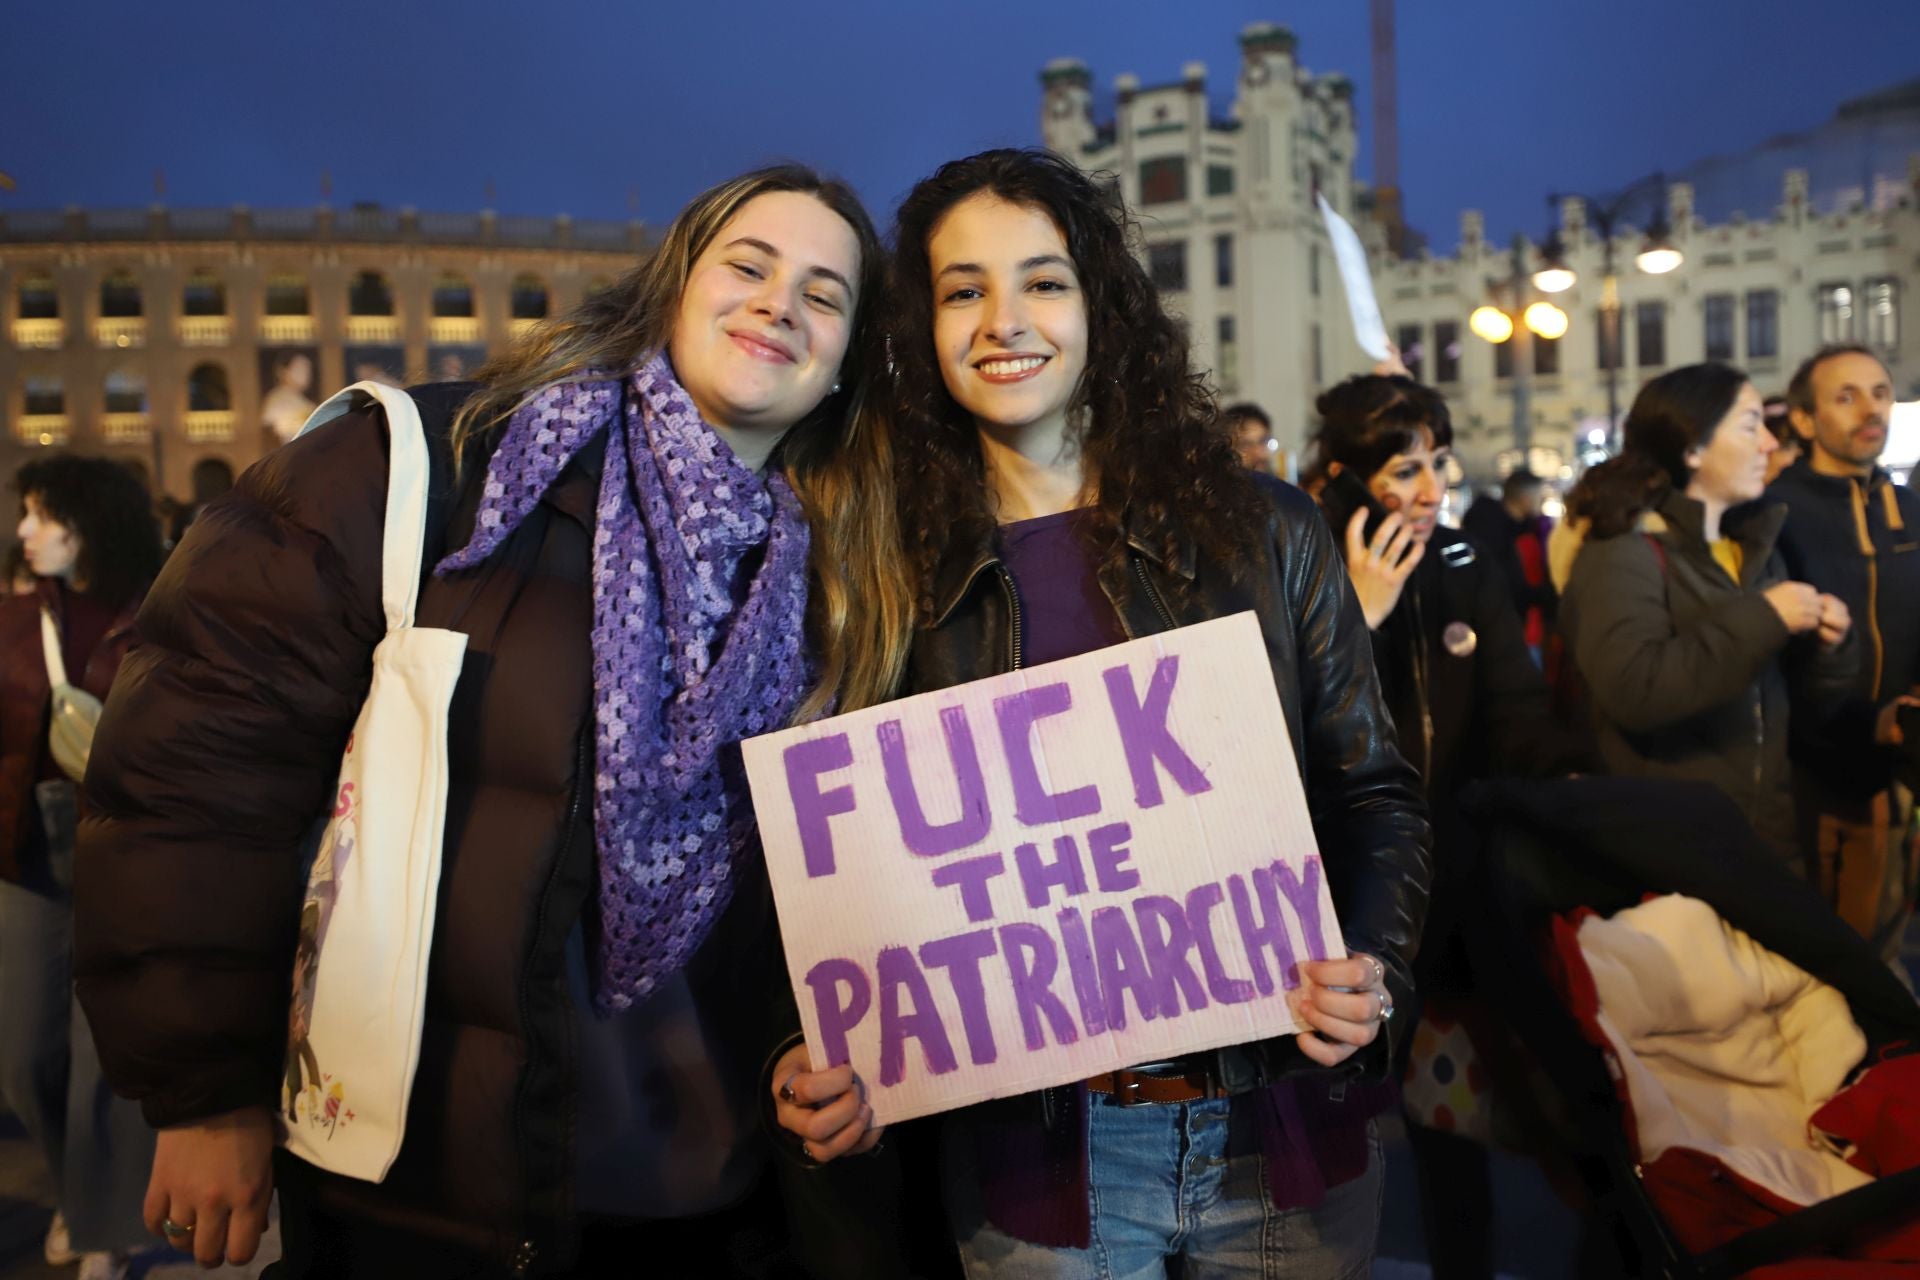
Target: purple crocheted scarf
687 658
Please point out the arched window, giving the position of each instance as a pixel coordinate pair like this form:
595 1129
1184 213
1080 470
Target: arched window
452 297
287 296
205 295
120 295
39 299
46 394
207 389
370 295
530 299
126 391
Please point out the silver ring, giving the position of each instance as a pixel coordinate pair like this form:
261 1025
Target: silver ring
1386 1007
173 1230
1379 972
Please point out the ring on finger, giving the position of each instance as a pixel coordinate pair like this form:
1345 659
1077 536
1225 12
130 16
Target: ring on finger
173 1230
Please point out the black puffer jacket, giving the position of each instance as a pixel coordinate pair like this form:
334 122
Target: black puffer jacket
220 747
1365 799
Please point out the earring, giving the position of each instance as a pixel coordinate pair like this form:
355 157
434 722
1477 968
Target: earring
835 391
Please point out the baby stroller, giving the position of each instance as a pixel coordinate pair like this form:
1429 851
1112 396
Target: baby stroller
1680 1036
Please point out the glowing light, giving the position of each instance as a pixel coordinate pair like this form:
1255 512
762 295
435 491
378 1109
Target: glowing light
1657 260
1491 323
1553 279
1546 320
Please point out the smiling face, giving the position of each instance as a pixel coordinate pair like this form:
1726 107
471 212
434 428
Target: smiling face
1009 319
1731 467
767 312
52 548
1414 482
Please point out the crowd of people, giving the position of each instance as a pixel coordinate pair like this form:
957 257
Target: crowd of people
778 472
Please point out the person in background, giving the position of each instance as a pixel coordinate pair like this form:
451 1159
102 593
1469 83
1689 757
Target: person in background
1681 614
1779 419
88 537
1069 490
1251 431
1467 704
1855 534
1512 531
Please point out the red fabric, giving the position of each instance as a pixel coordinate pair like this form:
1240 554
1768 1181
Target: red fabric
1880 1115
1705 1204
1531 548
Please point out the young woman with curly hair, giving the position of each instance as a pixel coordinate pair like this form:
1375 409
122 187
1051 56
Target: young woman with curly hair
1063 488
88 534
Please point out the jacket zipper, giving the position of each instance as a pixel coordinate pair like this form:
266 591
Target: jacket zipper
1016 646
1153 592
528 1250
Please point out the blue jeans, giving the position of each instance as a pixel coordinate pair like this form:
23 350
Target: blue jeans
98 1148
1162 1186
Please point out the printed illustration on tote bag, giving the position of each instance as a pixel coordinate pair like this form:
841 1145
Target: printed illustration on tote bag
310 1096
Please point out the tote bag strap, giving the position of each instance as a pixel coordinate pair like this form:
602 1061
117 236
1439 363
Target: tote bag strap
407 481
50 646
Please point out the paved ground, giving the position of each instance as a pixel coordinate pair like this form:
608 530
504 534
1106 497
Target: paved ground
1536 1232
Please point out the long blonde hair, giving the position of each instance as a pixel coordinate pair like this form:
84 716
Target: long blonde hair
839 457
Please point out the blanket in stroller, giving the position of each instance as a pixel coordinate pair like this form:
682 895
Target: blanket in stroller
1740 1078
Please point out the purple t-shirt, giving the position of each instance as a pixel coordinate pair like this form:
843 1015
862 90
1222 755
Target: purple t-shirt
1034 1182
1063 611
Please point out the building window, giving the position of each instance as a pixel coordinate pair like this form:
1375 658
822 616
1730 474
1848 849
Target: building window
1167 264
39 300
1223 261
126 392
45 395
1319 374
1836 313
530 298
204 295
1219 180
1163 181
1446 351
1546 356
1411 352
1503 358
120 295
1719 325
1313 270
1607 335
1650 333
452 297
1883 313
369 295
287 296
1226 329
1763 324
207 389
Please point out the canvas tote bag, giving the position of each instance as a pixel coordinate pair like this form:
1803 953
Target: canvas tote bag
76 713
360 967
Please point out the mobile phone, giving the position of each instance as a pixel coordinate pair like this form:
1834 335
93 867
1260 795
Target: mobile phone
1345 494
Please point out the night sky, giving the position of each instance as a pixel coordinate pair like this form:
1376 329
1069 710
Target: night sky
596 107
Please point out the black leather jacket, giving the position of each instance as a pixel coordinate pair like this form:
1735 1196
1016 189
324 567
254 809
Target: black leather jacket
1367 805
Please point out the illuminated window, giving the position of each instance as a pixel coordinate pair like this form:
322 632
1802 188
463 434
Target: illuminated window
1883 313
39 300
1836 312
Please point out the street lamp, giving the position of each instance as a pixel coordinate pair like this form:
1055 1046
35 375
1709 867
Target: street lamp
1658 255
1511 316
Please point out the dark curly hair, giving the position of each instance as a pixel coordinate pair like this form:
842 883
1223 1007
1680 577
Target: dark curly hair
1673 414
1370 417
1145 421
108 510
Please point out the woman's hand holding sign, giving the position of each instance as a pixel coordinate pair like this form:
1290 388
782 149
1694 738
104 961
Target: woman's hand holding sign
1345 1002
826 1110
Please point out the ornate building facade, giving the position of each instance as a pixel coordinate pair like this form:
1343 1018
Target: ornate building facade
1233 239
165 337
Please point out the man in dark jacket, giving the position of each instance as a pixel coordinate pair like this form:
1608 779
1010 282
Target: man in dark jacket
1508 530
1855 534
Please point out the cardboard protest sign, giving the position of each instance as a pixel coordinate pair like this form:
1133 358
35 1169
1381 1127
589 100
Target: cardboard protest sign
1034 878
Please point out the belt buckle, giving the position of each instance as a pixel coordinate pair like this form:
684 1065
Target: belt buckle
1126 1089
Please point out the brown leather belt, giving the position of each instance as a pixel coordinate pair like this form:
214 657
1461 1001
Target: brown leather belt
1137 1089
